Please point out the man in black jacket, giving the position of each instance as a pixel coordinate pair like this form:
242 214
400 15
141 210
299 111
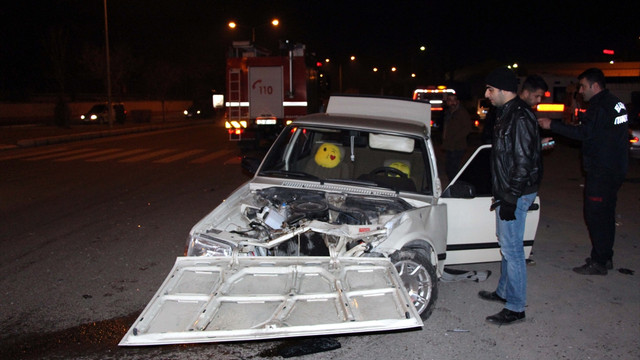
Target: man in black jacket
604 135
516 172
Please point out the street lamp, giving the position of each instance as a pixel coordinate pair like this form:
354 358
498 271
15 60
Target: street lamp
233 25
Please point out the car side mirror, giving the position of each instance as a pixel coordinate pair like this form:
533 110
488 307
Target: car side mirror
460 190
250 164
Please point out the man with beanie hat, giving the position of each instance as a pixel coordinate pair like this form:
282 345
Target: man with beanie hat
516 172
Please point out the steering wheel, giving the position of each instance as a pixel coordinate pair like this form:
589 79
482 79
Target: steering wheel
388 171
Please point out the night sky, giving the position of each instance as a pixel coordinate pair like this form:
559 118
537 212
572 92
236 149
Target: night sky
194 33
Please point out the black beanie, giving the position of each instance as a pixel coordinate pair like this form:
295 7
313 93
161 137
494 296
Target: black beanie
503 79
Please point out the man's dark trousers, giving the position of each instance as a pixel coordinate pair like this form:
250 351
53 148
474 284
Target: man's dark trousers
600 197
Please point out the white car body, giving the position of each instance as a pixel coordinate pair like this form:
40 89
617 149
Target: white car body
382 200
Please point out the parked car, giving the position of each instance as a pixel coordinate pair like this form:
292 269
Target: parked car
193 112
99 113
199 110
345 227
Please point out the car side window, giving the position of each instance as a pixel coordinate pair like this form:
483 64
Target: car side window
475 179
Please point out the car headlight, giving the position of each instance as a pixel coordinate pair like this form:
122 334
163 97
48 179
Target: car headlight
82 117
205 245
94 117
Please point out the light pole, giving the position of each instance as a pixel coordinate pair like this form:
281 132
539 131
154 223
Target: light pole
232 25
352 59
383 75
106 38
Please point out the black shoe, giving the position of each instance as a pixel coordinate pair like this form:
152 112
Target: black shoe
491 296
608 265
506 317
591 268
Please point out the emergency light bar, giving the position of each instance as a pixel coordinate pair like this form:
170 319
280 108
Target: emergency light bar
433 91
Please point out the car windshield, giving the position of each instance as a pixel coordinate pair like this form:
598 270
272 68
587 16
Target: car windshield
353 157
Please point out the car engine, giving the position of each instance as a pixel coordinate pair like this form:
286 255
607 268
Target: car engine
281 211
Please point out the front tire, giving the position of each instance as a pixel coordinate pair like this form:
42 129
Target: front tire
419 279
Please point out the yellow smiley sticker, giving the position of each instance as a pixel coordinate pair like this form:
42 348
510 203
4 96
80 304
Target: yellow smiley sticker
328 156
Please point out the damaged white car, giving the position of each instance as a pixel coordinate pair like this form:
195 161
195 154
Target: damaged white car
344 228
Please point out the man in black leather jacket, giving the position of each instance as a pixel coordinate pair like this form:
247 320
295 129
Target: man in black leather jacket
516 172
604 133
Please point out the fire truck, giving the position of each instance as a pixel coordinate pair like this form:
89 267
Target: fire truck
265 92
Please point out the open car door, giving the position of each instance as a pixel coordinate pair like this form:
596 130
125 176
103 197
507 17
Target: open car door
471 225
215 299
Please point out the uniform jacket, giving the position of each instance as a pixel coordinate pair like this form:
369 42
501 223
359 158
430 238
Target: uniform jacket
604 132
516 166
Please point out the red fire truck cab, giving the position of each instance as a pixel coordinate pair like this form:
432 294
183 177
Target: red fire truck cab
265 93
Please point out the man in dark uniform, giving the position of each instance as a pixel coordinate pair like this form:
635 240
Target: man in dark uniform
604 134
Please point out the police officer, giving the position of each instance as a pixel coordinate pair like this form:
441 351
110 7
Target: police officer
604 135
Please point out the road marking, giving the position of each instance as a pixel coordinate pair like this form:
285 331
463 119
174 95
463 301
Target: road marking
179 156
84 156
33 153
210 157
118 155
128 156
147 156
67 153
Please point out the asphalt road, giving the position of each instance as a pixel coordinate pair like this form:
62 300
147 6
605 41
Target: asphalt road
89 230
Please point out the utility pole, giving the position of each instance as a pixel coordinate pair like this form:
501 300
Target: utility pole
106 37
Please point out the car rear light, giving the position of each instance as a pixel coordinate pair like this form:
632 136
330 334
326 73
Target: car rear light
633 140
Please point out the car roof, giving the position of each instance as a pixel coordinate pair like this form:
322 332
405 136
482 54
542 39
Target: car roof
381 114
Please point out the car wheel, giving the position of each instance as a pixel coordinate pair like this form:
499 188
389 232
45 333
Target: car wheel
419 279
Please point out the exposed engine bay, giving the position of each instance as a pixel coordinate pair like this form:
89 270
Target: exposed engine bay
290 222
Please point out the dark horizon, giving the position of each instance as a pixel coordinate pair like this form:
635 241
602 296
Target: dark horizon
192 36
